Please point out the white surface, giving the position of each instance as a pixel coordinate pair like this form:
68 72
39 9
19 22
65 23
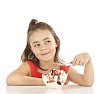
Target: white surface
70 89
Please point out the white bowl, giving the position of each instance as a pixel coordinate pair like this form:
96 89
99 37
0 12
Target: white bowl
52 81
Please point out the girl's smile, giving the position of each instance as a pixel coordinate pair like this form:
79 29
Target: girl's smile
45 54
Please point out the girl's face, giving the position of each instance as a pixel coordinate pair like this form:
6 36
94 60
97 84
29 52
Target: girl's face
43 45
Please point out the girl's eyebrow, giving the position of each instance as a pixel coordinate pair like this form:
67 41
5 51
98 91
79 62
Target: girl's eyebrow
38 41
35 42
46 38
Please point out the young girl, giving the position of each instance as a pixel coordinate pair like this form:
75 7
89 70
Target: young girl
41 55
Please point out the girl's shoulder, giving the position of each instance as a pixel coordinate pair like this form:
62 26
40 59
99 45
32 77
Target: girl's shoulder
34 70
31 64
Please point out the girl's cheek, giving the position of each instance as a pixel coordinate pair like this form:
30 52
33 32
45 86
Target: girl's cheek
35 51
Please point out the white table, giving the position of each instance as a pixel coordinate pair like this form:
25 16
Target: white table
68 89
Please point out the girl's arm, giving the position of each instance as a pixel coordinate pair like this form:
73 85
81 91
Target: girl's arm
22 76
87 78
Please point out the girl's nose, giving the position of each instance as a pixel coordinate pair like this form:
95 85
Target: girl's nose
43 48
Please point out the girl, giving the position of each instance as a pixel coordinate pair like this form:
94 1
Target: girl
41 56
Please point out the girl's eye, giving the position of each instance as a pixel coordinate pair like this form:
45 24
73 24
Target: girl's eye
48 41
36 45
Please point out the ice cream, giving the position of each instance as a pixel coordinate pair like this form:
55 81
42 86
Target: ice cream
55 78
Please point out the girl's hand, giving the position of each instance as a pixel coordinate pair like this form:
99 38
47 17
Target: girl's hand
81 59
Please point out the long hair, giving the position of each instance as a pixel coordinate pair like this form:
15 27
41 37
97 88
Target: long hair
27 54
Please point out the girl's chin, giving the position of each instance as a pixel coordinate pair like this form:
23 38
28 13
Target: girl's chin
47 59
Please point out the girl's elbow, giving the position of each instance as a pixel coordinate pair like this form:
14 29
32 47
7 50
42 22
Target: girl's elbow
10 81
88 84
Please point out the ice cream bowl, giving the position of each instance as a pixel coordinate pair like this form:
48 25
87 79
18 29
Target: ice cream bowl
55 78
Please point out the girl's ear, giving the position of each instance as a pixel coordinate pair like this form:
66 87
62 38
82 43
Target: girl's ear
57 44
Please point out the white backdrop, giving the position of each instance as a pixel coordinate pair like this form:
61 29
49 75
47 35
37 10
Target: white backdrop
77 23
